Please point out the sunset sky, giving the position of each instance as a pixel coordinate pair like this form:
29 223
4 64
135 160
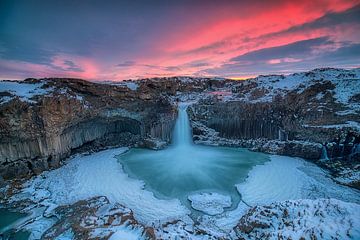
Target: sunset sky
116 40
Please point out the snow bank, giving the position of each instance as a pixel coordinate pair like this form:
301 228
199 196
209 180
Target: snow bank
210 203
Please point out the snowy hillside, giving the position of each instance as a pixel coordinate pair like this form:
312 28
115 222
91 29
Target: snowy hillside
25 91
346 85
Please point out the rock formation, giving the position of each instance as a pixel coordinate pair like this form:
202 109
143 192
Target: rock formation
314 115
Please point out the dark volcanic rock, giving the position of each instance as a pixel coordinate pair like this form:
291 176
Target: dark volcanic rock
36 135
311 115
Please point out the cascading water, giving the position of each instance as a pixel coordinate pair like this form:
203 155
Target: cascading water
184 168
182 132
324 155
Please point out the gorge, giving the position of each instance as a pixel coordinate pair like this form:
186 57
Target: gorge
197 158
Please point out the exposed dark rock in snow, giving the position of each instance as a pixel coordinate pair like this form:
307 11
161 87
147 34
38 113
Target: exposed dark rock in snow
301 219
296 115
75 115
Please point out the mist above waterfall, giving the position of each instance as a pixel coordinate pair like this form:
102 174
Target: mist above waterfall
185 168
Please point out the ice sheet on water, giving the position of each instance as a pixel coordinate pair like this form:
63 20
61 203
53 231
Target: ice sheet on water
285 178
210 203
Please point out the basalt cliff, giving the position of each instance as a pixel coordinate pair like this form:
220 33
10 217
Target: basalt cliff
313 115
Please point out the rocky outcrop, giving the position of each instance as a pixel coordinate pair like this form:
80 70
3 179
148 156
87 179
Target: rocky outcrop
76 116
258 126
312 115
312 112
91 218
277 221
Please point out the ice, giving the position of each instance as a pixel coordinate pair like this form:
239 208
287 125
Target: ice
286 178
185 168
204 175
210 203
126 233
67 235
100 174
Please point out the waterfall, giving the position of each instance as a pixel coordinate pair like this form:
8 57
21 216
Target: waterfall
182 135
324 155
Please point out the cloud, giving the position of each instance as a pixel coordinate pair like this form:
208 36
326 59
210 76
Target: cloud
172 69
344 56
126 64
126 39
329 20
24 50
290 51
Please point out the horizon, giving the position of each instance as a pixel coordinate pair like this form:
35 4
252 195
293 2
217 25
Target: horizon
179 76
124 40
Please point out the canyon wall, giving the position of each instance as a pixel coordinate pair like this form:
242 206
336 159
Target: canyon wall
294 123
37 135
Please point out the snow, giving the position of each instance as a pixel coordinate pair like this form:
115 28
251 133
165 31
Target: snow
347 84
126 233
210 203
286 178
345 112
25 91
276 182
131 85
348 176
228 220
67 235
346 88
100 174
302 219
348 124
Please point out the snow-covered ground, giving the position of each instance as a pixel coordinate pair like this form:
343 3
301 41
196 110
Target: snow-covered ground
302 219
346 82
25 91
274 183
282 179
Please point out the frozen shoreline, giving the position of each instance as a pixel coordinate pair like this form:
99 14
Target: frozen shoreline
97 174
100 174
287 178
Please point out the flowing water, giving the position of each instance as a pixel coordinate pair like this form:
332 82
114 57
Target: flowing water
185 168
